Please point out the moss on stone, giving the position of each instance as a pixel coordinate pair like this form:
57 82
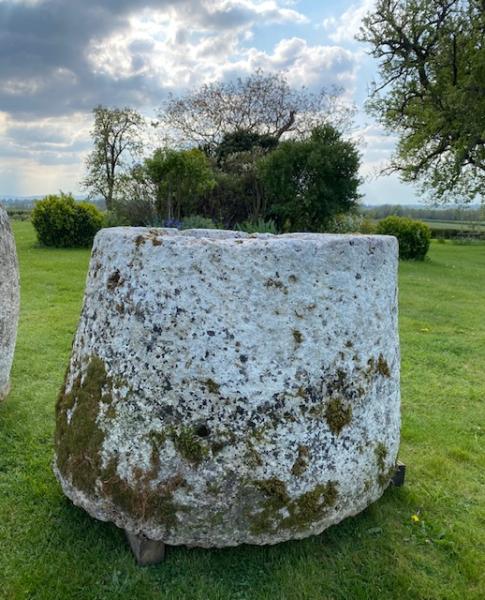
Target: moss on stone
311 506
279 510
297 336
382 367
277 284
384 475
157 440
189 445
381 453
301 463
337 415
212 386
253 457
141 499
79 442
139 240
213 488
114 280
217 446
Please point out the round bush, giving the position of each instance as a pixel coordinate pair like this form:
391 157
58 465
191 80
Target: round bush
413 236
62 222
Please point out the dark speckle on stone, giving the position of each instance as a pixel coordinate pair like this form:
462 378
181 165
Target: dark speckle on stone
114 280
202 430
211 333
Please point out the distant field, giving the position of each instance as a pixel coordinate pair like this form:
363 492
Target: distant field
424 541
461 225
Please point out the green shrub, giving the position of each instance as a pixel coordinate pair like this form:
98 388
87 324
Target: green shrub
259 226
367 226
413 236
62 222
197 222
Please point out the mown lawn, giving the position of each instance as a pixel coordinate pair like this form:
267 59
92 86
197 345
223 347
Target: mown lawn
50 549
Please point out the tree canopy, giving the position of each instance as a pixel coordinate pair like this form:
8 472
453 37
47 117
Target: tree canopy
309 181
432 90
261 103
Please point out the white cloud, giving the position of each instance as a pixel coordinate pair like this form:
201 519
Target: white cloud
345 28
133 54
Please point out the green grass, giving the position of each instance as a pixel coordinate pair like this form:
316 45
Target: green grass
51 549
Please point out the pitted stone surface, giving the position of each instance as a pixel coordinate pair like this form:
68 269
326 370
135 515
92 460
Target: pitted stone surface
227 388
9 301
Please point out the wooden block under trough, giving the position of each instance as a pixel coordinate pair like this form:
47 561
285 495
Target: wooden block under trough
147 552
399 474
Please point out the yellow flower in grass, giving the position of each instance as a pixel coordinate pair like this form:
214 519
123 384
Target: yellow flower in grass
415 518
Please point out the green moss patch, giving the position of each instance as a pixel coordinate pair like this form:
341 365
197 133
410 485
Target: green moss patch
141 499
301 463
280 511
79 442
188 445
384 474
337 415
382 367
212 386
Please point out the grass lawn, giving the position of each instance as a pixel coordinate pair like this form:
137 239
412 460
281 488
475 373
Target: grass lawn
51 549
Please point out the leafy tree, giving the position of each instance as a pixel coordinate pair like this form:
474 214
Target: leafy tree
180 176
432 90
309 181
261 103
136 203
116 133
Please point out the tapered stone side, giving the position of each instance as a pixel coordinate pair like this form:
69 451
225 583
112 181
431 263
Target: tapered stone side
227 389
9 301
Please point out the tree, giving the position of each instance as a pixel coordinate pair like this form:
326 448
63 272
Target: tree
115 134
180 176
432 90
309 181
261 103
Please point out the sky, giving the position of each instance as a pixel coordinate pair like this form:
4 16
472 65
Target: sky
60 58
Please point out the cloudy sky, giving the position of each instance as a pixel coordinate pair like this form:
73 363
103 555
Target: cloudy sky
59 58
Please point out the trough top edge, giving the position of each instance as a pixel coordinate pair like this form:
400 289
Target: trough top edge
226 235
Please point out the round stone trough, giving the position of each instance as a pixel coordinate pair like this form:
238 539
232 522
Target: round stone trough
227 388
9 301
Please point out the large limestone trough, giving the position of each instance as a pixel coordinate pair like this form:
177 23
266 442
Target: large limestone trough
227 389
9 301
